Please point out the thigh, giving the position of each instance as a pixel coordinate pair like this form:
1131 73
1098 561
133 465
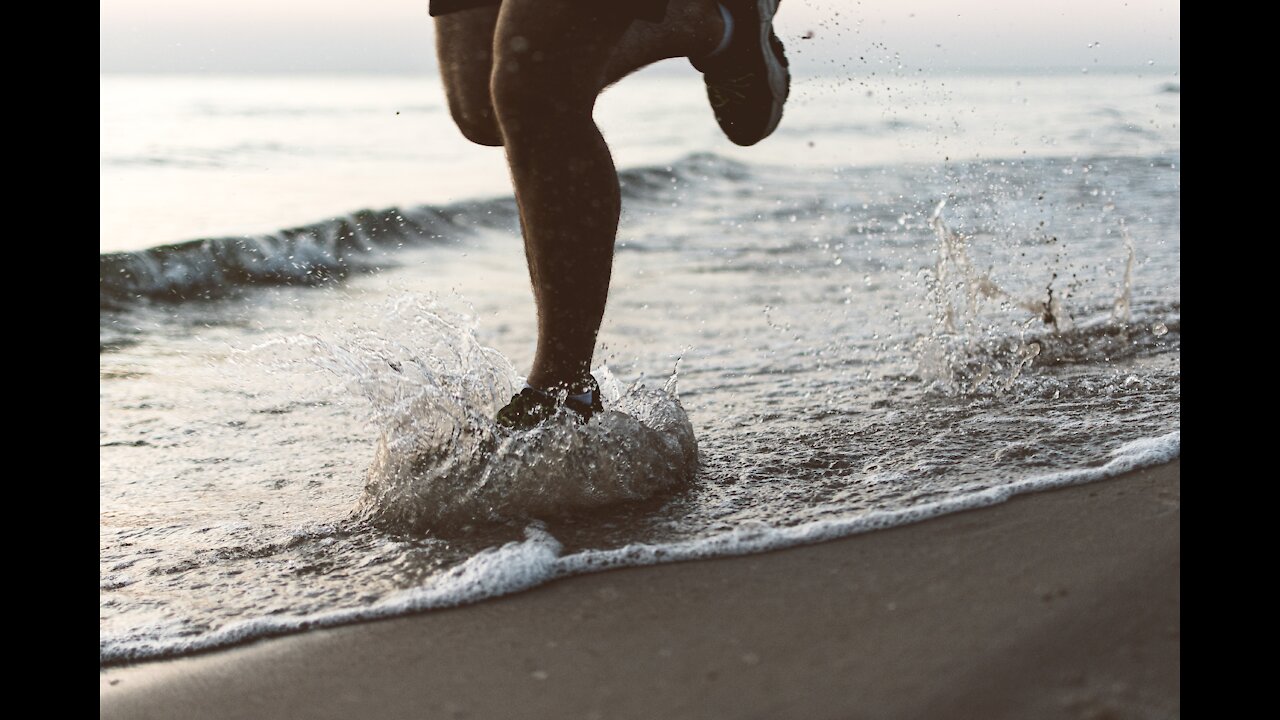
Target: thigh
556 47
464 49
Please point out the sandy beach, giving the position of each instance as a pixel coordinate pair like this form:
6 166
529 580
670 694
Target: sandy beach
1060 604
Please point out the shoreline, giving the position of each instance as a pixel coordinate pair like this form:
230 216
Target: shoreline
1059 603
544 552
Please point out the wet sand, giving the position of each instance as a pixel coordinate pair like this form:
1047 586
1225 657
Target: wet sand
1060 604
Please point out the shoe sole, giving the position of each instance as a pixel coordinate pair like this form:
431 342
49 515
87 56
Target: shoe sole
779 75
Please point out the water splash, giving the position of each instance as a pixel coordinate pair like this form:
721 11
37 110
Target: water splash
971 350
959 354
641 446
442 464
957 289
1121 309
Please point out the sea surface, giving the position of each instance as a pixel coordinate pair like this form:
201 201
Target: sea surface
924 293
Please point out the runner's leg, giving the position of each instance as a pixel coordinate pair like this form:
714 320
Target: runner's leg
551 60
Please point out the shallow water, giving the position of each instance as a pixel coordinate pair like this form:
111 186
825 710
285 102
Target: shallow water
295 427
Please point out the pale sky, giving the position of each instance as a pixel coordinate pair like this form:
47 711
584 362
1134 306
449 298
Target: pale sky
282 36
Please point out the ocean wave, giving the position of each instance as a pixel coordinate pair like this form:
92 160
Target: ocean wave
363 241
366 240
308 255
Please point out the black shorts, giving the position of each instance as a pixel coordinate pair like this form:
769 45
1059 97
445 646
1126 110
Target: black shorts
651 10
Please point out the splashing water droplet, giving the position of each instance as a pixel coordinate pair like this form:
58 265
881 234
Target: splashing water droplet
441 461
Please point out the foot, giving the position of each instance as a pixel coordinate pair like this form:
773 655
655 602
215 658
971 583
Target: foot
532 407
748 80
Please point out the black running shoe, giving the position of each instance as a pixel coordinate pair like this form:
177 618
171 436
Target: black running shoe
532 407
748 81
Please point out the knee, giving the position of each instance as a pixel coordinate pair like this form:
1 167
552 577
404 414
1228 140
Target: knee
529 96
477 121
481 131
